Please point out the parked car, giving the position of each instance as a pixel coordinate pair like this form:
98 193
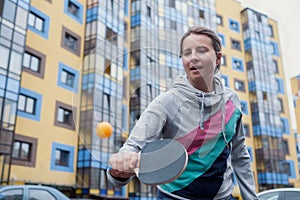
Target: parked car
29 192
280 194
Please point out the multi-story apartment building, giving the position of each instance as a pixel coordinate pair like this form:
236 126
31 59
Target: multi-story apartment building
252 50
41 56
295 85
67 65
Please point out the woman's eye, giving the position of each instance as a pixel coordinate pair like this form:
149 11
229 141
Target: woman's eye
201 50
186 53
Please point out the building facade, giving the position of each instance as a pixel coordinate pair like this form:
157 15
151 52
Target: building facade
295 85
68 65
43 45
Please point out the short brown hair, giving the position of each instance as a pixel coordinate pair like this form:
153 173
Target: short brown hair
216 42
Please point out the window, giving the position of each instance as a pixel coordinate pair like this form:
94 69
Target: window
38 22
292 195
234 25
29 104
107 67
219 20
280 86
258 17
223 60
239 85
173 25
68 77
237 64
65 116
270 28
149 11
21 150
281 108
40 194
222 38
201 14
34 62
275 65
246 130
285 126
24 150
16 194
172 3
62 158
31 62
285 147
70 41
26 104
111 36
286 168
274 49
74 9
235 44
224 80
244 107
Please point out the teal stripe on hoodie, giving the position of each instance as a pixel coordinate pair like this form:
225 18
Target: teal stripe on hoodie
196 167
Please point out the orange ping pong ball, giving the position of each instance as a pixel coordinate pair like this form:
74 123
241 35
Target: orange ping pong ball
104 130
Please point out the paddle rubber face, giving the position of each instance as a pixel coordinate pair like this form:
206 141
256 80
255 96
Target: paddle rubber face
162 161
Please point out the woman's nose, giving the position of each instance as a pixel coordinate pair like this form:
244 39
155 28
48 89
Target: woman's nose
194 56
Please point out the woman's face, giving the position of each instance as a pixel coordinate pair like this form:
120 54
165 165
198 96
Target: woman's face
199 60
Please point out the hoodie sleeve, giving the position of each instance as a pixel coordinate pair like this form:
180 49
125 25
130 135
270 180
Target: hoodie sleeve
242 165
148 128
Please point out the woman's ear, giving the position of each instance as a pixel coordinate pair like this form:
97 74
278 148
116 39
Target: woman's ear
219 56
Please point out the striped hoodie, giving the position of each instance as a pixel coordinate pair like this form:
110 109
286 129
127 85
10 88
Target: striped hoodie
209 125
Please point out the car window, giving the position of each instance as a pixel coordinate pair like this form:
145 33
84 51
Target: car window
15 194
40 194
292 195
269 196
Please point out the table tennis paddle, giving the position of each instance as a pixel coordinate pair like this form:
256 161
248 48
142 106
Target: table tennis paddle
161 161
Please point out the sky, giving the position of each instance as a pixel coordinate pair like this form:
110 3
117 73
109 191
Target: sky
287 15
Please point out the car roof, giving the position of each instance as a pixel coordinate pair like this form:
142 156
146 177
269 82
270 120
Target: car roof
279 190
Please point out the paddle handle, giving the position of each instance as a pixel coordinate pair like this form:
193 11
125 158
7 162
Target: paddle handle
137 169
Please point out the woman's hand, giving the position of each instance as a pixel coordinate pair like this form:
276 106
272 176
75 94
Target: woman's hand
123 164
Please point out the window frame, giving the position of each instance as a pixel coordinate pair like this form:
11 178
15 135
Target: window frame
42 62
239 81
38 103
72 109
232 41
79 16
61 68
33 150
237 60
220 19
245 104
236 23
75 36
70 166
46 21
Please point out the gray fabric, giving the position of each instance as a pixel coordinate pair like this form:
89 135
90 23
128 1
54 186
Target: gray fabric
170 116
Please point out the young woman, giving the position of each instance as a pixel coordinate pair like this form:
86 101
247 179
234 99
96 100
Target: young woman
205 116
